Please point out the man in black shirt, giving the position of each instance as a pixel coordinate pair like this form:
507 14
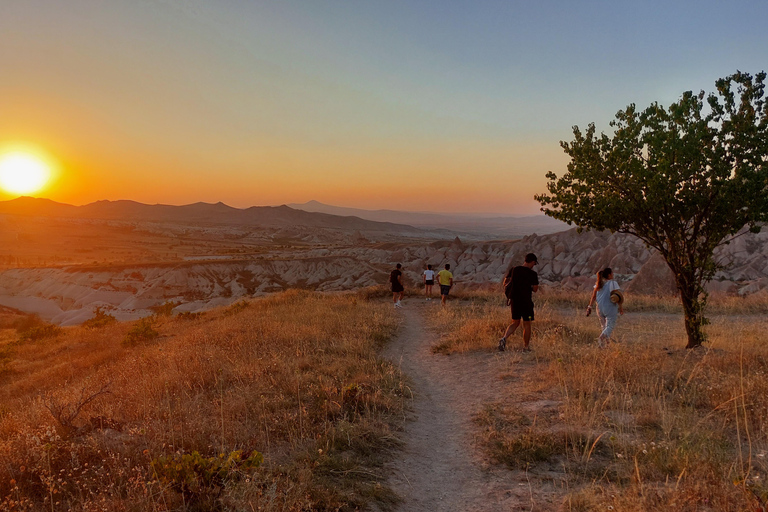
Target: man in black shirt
523 281
396 280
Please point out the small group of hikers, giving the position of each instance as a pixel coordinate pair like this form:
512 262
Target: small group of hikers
520 283
444 279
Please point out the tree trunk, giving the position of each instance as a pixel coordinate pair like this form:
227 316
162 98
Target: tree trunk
693 307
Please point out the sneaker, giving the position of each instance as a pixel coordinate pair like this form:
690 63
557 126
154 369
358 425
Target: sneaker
502 345
526 349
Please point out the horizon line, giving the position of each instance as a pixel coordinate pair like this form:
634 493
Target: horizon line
424 212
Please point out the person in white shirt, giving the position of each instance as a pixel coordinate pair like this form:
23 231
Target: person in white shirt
607 310
429 281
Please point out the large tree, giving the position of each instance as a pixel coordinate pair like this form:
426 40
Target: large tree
685 180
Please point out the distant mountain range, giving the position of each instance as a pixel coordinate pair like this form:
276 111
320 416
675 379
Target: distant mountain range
504 226
201 214
309 215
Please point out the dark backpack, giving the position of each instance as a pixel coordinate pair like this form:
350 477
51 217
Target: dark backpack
508 290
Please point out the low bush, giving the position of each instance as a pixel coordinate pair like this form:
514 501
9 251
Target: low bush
164 309
40 332
189 315
100 319
236 308
200 478
143 330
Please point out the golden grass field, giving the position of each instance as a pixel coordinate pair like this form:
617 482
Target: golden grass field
643 425
276 404
284 403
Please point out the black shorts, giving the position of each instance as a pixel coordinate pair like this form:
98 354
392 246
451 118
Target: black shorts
444 289
522 311
397 288
429 282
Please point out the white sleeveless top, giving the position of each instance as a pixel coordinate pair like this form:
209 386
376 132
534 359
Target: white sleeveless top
603 298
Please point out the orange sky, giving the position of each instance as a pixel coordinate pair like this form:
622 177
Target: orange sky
99 159
401 105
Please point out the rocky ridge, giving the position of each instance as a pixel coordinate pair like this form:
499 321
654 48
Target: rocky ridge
568 259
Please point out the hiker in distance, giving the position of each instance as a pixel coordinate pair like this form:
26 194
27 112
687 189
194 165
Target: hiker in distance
519 285
429 281
445 280
610 303
396 280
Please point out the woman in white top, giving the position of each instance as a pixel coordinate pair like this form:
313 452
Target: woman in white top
429 281
607 312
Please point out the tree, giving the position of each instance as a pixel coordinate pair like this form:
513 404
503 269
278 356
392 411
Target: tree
685 180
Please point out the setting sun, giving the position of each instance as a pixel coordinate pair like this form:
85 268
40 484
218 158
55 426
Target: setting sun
23 173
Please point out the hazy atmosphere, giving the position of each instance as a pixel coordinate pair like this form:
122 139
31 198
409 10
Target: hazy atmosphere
372 256
441 106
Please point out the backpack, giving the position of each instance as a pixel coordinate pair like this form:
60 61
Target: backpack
508 290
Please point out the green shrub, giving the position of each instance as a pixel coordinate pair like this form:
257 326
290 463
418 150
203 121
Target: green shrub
100 319
236 308
40 332
198 477
188 315
27 322
142 331
165 309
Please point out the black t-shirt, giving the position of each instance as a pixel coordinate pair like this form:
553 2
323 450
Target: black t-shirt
523 278
393 277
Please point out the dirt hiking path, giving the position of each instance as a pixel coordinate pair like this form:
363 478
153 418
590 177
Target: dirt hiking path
442 468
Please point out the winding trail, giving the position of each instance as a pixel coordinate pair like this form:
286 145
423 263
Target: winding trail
442 468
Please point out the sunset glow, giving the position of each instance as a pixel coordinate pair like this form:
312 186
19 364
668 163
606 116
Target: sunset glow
23 173
376 105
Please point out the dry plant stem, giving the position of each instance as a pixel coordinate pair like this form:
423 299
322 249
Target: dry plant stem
298 397
65 414
221 409
592 448
50 485
746 419
266 432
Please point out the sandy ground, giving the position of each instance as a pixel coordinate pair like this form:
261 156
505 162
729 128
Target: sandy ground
441 467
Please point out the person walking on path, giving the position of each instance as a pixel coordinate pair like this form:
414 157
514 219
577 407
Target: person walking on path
445 280
429 281
522 282
609 300
396 280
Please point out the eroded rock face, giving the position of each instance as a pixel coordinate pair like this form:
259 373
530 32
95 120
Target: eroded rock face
568 259
654 277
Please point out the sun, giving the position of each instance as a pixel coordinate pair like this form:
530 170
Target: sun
23 173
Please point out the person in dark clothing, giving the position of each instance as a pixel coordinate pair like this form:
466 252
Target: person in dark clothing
396 279
524 282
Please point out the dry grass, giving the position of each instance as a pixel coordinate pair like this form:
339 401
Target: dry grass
178 422
718 303
643 425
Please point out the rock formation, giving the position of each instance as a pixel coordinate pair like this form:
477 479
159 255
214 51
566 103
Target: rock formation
569 259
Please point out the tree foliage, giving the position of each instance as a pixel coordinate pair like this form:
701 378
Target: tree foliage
685 180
